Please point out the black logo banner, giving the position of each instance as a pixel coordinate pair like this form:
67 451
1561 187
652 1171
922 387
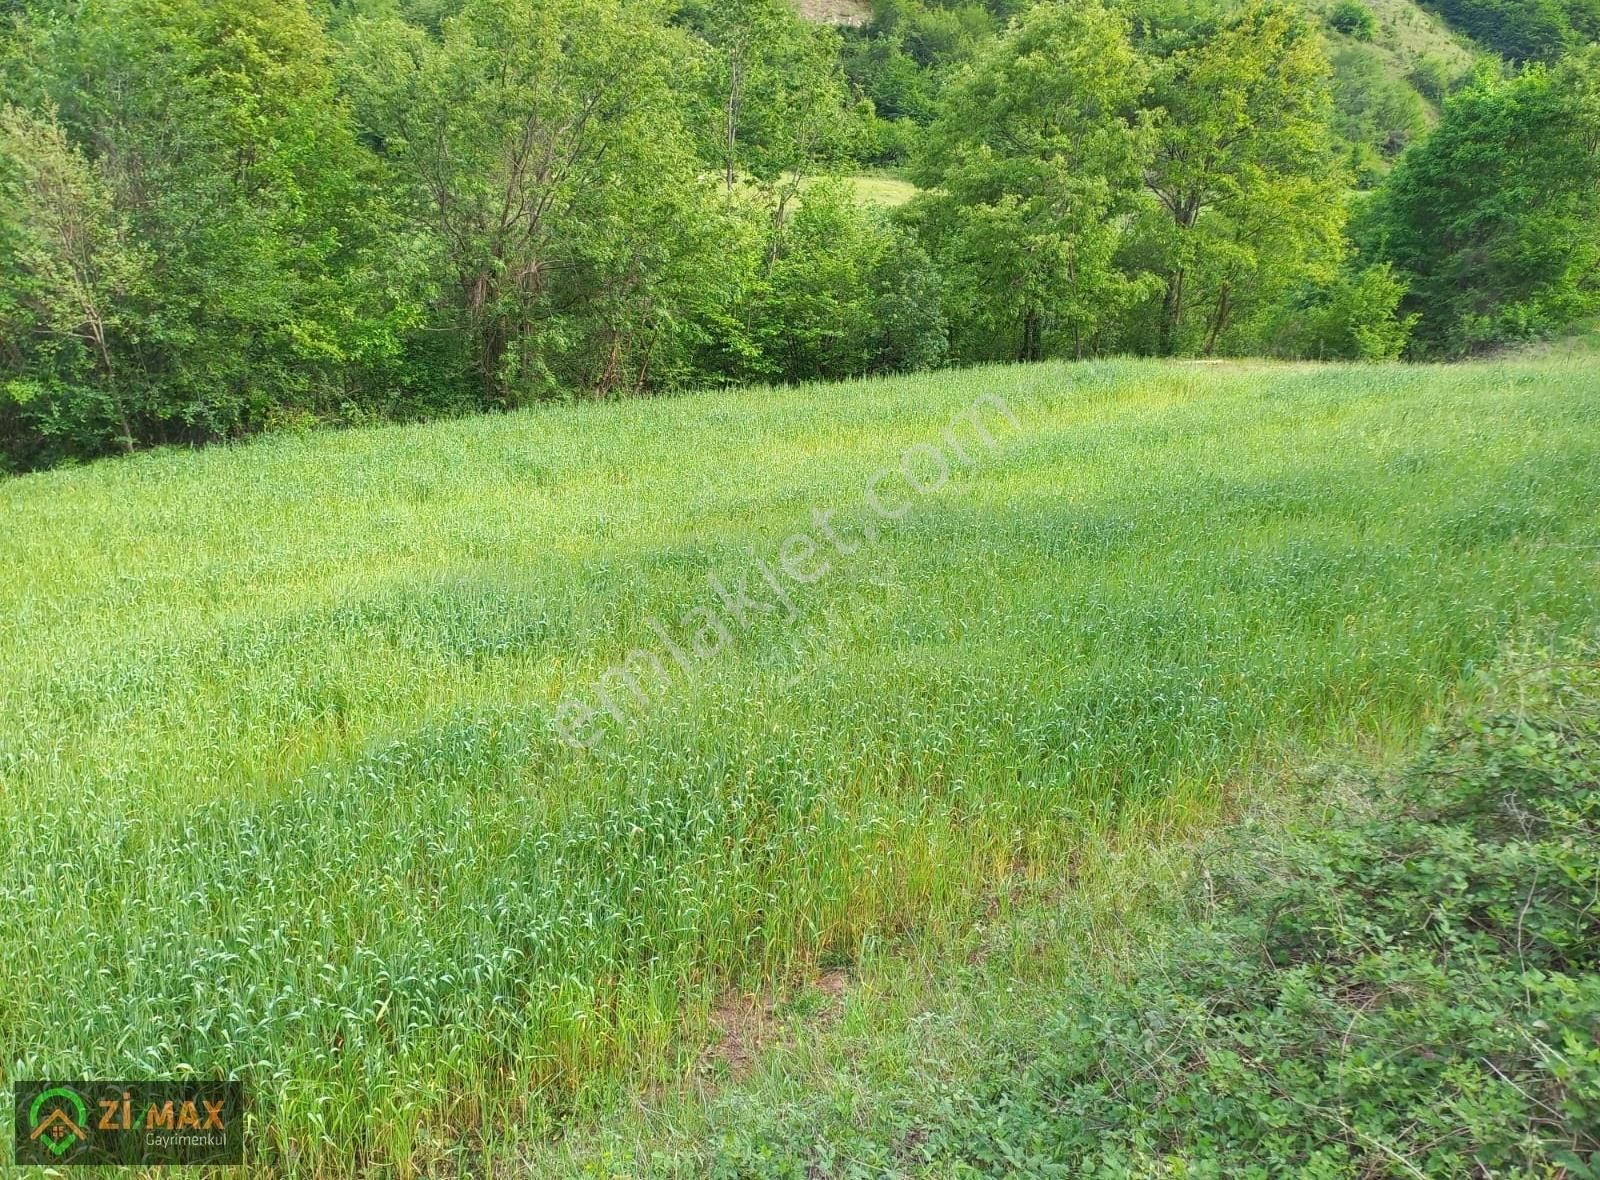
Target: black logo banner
64 1124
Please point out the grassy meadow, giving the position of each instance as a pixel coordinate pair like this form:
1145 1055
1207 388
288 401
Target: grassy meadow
317 770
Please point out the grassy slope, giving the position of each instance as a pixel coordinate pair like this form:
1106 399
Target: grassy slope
889 191
871 188
290 704
1407 31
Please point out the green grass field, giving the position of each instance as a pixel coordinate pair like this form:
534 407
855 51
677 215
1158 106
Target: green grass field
319 770
888 191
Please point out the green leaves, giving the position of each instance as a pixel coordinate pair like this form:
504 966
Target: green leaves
1033 163
1494 221
1086 196
226 257
1247 198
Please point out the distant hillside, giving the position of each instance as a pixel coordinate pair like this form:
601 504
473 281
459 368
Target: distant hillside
1390 78
1408 32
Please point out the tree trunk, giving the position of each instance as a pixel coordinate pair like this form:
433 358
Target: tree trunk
1220 320
491 351
731 126
98 330
1031 346
644 364
1171 313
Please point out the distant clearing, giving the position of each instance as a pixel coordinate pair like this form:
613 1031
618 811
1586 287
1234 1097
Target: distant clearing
836 12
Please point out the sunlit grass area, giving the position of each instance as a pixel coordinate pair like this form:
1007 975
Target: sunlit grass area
287 795
890 191
879 189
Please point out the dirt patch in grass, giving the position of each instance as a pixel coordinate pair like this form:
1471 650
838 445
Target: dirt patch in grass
745 1026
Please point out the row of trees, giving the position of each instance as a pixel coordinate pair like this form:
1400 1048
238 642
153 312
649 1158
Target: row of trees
219 216
1179 188
223 215
1088 197
904 58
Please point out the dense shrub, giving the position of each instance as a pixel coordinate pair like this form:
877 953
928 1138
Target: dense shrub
1351 318
1353 19
843 292
1432 77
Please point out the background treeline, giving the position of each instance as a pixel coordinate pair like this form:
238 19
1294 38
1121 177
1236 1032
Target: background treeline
1525 30
223 216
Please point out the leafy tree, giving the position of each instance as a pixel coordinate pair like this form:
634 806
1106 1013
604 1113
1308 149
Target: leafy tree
1494 221
73 269
1247 197
1035 158
219 216
846 295
773 99
898 87
210 134
939 35
541 154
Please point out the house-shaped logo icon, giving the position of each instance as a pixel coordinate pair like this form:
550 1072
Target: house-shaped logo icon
140 1124
58 1131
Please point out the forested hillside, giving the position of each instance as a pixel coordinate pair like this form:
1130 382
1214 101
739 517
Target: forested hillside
1525 30
219 217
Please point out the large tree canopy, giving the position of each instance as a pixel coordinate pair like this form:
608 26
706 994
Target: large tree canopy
1247 195
1033 167
1494 221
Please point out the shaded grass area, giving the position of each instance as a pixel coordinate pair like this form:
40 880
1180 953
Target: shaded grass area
1390 977
276 727
1579 340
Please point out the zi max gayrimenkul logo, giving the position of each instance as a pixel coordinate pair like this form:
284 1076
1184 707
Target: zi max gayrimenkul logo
149 1123
59 1120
